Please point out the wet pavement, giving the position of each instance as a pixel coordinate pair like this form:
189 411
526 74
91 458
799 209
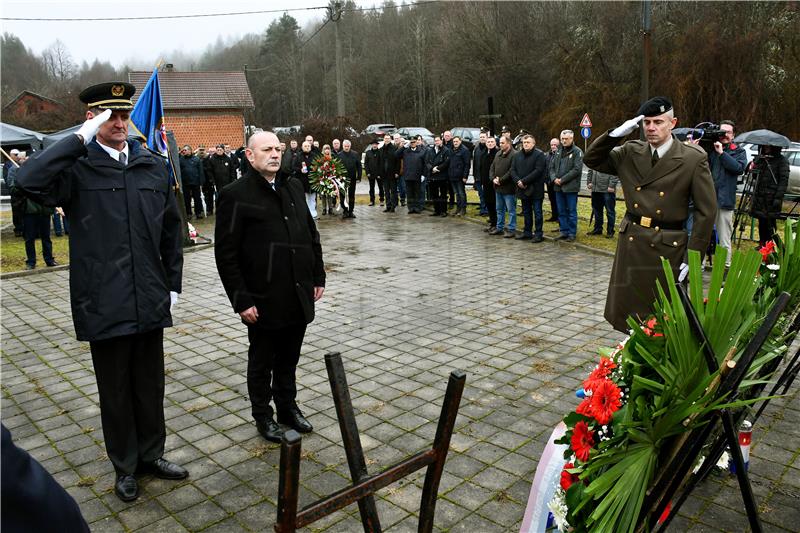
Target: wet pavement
408 299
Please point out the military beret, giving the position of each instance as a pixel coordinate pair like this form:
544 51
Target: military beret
657 105
110 95
505 129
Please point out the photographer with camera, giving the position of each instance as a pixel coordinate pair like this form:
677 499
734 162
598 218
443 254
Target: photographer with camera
727 162
771 169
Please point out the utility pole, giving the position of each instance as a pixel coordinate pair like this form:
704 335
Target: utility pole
335 15
647 29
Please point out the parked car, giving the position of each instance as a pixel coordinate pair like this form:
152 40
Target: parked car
379 130
793 155
469 136
287 130
425 133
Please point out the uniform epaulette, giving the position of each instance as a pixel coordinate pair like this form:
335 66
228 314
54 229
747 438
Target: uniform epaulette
696 147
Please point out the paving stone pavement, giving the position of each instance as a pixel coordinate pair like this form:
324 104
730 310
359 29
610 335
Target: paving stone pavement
408 299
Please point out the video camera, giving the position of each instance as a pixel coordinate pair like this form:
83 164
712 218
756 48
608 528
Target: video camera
709 133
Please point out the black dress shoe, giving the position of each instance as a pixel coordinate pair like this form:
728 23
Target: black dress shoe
295 420
126 488
52 264
595 232
522 237
270 430
537 238
609 236
552 219
434 214
161 468
30 267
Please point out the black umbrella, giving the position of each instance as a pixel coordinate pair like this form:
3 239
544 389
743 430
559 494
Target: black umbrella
764 138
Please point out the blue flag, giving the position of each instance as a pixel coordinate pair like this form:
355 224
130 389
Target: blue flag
147 116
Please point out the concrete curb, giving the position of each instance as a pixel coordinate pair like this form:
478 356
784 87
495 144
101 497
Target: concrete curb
46 270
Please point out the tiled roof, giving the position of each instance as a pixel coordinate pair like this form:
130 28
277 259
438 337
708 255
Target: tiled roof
195 90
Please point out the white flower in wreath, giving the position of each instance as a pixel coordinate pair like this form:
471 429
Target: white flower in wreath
558 507
774 267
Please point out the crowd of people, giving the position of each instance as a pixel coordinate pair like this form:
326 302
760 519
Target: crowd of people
506 172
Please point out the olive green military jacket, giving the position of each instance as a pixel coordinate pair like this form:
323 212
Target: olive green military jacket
660 195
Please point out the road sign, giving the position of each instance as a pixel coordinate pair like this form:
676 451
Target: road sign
586 122
586 132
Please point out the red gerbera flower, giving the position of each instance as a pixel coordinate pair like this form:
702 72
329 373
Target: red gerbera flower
605 401
766 250
600 373
649 328
582 440
568 479
585 408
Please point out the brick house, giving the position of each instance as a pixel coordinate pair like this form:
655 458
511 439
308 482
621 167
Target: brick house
202 107
29 103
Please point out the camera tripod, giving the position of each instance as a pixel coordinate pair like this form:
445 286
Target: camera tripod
745 205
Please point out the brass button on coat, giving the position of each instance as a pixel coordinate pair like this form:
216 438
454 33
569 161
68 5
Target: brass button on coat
661 193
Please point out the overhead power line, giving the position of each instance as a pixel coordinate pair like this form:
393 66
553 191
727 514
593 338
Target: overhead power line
164 17
207 15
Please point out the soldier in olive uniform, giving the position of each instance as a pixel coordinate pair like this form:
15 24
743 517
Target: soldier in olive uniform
659 177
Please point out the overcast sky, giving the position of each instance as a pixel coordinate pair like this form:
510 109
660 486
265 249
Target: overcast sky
143 42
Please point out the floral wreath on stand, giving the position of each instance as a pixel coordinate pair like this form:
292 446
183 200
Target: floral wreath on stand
650 389
327 176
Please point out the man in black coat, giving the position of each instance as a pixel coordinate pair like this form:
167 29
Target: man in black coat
352 164
436 161
486 181
555 144
373 166
391 168
126 267
529 171
413 158
192 178
269 259
221 171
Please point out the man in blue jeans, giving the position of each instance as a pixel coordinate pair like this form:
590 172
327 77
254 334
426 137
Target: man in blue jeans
505 189
565 171
529 171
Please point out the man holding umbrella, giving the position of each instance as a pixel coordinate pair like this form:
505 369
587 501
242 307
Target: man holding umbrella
771 172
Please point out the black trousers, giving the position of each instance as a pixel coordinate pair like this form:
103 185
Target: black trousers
439 190
372 180
414 195
208 196
766 229
192 192
490 199
130 383
551 194
271 368
390 189
351 195
37 227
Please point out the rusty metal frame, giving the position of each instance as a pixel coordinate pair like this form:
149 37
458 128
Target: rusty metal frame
364 485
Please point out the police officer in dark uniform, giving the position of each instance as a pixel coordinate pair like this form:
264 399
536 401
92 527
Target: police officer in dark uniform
126 267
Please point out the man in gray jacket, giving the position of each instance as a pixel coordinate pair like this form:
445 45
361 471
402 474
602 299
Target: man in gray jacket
565 171
604 197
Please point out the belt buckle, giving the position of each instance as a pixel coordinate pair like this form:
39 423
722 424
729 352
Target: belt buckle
645 222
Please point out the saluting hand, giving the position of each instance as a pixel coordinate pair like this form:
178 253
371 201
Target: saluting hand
626 127
250 315
89 128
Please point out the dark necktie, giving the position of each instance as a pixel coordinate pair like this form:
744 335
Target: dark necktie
123 158
654 159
